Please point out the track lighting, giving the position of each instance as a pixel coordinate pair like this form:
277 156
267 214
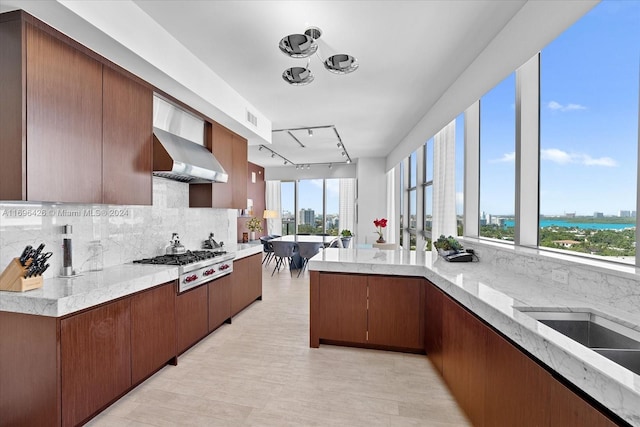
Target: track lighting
308 166
260 148
344 154
330 165
272 155
310 132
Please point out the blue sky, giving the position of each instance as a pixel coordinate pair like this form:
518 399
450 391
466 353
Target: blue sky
588 119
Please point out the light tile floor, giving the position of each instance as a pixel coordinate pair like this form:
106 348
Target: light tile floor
260 371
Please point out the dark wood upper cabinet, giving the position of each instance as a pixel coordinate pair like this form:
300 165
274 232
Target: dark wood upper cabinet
51 129
127 126
231 151
52 122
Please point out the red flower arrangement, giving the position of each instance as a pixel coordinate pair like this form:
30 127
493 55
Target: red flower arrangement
380 223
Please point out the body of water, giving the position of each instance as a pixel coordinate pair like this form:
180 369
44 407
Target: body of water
585 225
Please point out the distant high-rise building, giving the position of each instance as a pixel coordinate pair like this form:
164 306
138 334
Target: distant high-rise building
307 216
598 215
624 214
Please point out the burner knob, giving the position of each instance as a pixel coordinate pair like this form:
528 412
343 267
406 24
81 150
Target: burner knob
190 278
209 272
224 266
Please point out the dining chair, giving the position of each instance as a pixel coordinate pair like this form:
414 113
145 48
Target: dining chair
267 248
307 250
336 243
284 253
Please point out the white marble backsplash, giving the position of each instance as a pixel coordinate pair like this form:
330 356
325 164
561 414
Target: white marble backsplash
598 283
126 233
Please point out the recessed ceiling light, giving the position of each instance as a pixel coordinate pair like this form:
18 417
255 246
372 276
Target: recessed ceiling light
341 64
297 76
298 45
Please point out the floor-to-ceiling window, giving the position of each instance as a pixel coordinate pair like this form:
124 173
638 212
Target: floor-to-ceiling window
589 134
427 188
288 206
412 197
332 207
310 206
317 206
497 160
460 173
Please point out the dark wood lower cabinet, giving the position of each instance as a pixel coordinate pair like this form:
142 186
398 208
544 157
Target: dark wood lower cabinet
516 389
153 330
386 312
433 325
567 409
395 316
192 317
95 360
342 299
29 375
247 282
464 344
493 381
219 301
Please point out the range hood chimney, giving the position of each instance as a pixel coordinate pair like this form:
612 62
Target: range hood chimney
178 147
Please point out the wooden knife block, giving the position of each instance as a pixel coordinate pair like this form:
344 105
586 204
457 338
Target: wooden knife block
12 278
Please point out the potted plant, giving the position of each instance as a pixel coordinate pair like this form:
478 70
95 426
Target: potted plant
380 224
254 224
346 237
447 245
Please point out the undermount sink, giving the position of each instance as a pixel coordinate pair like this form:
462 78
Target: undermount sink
606 337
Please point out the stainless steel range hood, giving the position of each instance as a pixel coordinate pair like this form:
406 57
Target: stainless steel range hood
176 154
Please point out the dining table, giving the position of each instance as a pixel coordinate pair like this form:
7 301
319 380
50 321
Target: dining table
296 262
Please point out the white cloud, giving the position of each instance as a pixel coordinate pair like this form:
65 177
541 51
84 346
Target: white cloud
562 157
556 106
555 155
602 161
506 158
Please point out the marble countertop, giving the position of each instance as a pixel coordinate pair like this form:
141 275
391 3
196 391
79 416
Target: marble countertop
62 296
495 296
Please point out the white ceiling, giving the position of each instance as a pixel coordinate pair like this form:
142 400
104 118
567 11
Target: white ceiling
421 62
409 53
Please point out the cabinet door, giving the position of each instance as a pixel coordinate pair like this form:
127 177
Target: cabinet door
64 122
127 140
242 293
95 358
342 301
567 409
153 330
517 388
254 267
433 325
219 301
396 312
192 317
238 174
464 344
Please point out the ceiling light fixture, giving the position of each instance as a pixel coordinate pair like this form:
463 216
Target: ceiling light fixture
310 132
274 154
304 46
330 165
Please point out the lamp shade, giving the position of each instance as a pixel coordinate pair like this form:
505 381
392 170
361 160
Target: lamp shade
269 214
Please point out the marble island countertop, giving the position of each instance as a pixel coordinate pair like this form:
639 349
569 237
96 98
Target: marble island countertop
62 296
495 294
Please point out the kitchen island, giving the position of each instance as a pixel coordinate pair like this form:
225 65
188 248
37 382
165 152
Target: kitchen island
481 301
